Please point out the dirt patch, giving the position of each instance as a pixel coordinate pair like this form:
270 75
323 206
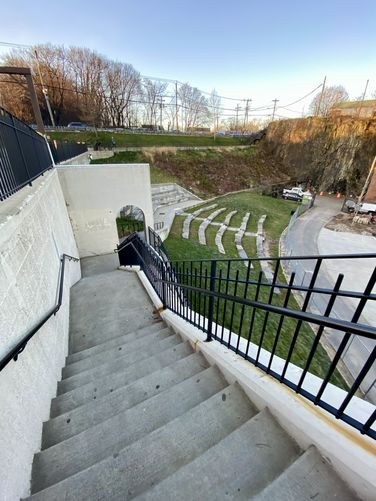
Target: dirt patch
344 222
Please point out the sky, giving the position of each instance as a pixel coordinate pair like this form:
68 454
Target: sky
259 50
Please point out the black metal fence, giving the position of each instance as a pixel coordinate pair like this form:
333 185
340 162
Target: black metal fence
232 302
64 150
24 154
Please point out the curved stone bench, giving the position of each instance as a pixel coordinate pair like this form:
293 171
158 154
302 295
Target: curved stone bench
188 219
205 224
222 229
239 236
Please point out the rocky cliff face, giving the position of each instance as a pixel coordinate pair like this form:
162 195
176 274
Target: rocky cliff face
334 153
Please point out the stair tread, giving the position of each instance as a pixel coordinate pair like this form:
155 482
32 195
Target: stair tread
124 376
138 466
58 429
239 466
95 331
114 352
114 365
106 437
309 477
143 331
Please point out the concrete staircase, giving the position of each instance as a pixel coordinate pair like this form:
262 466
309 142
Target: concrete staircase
139 415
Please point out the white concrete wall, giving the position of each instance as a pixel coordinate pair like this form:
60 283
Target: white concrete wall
95 194
34 232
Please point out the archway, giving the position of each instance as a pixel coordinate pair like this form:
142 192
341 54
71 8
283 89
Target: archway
130 219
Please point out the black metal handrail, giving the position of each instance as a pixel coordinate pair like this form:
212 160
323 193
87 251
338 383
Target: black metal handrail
21 345
262 322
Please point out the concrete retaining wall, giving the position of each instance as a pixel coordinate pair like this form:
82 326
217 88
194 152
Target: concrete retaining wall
34 232
95 194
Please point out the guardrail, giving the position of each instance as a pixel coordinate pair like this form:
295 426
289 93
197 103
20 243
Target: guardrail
24 155
261 321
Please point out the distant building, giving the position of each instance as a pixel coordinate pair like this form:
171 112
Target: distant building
361 109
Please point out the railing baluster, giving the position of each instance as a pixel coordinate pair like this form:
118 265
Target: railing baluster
213 270
316 341
233 307
281 319
347 336
358 381
218 299
225 304
253 314
299 324
275 275
243 306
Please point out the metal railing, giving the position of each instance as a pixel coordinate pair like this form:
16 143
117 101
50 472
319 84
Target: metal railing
262 322
65 150
24 155
21 345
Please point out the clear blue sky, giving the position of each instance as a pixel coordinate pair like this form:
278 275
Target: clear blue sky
246 49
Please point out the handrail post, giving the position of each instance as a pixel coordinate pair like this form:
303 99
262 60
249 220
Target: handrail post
164 285
213 269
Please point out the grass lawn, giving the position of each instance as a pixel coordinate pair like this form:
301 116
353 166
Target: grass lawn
124 139
229 315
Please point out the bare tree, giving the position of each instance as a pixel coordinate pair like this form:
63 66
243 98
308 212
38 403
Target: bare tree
324 100
152 94
194 105
214 105
87 73
122 83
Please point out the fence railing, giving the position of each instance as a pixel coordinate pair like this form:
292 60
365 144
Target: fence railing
24 154
262 322
64 150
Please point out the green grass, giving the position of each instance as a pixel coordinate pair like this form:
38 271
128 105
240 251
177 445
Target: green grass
233 316
124 139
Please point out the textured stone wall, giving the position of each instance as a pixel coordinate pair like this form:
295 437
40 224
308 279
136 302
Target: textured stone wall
34 231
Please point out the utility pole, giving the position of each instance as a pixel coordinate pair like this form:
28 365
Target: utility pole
365 187
237 108
321 97
246 112
161 108
364 95
176 106
45 92
275 101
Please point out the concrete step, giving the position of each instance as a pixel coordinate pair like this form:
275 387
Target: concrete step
107 384
144 331
309 477
115 352
239 466
78 420
123 362
102 307
91 334
139 466
111 436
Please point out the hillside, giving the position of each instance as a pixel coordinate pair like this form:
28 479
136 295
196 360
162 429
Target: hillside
206 172
334 153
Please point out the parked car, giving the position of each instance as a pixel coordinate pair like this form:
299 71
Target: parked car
77 125
292 196
298 191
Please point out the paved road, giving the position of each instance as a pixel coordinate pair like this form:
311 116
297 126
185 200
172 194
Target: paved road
308 237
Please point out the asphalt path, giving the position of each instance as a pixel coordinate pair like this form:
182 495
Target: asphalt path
302 239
